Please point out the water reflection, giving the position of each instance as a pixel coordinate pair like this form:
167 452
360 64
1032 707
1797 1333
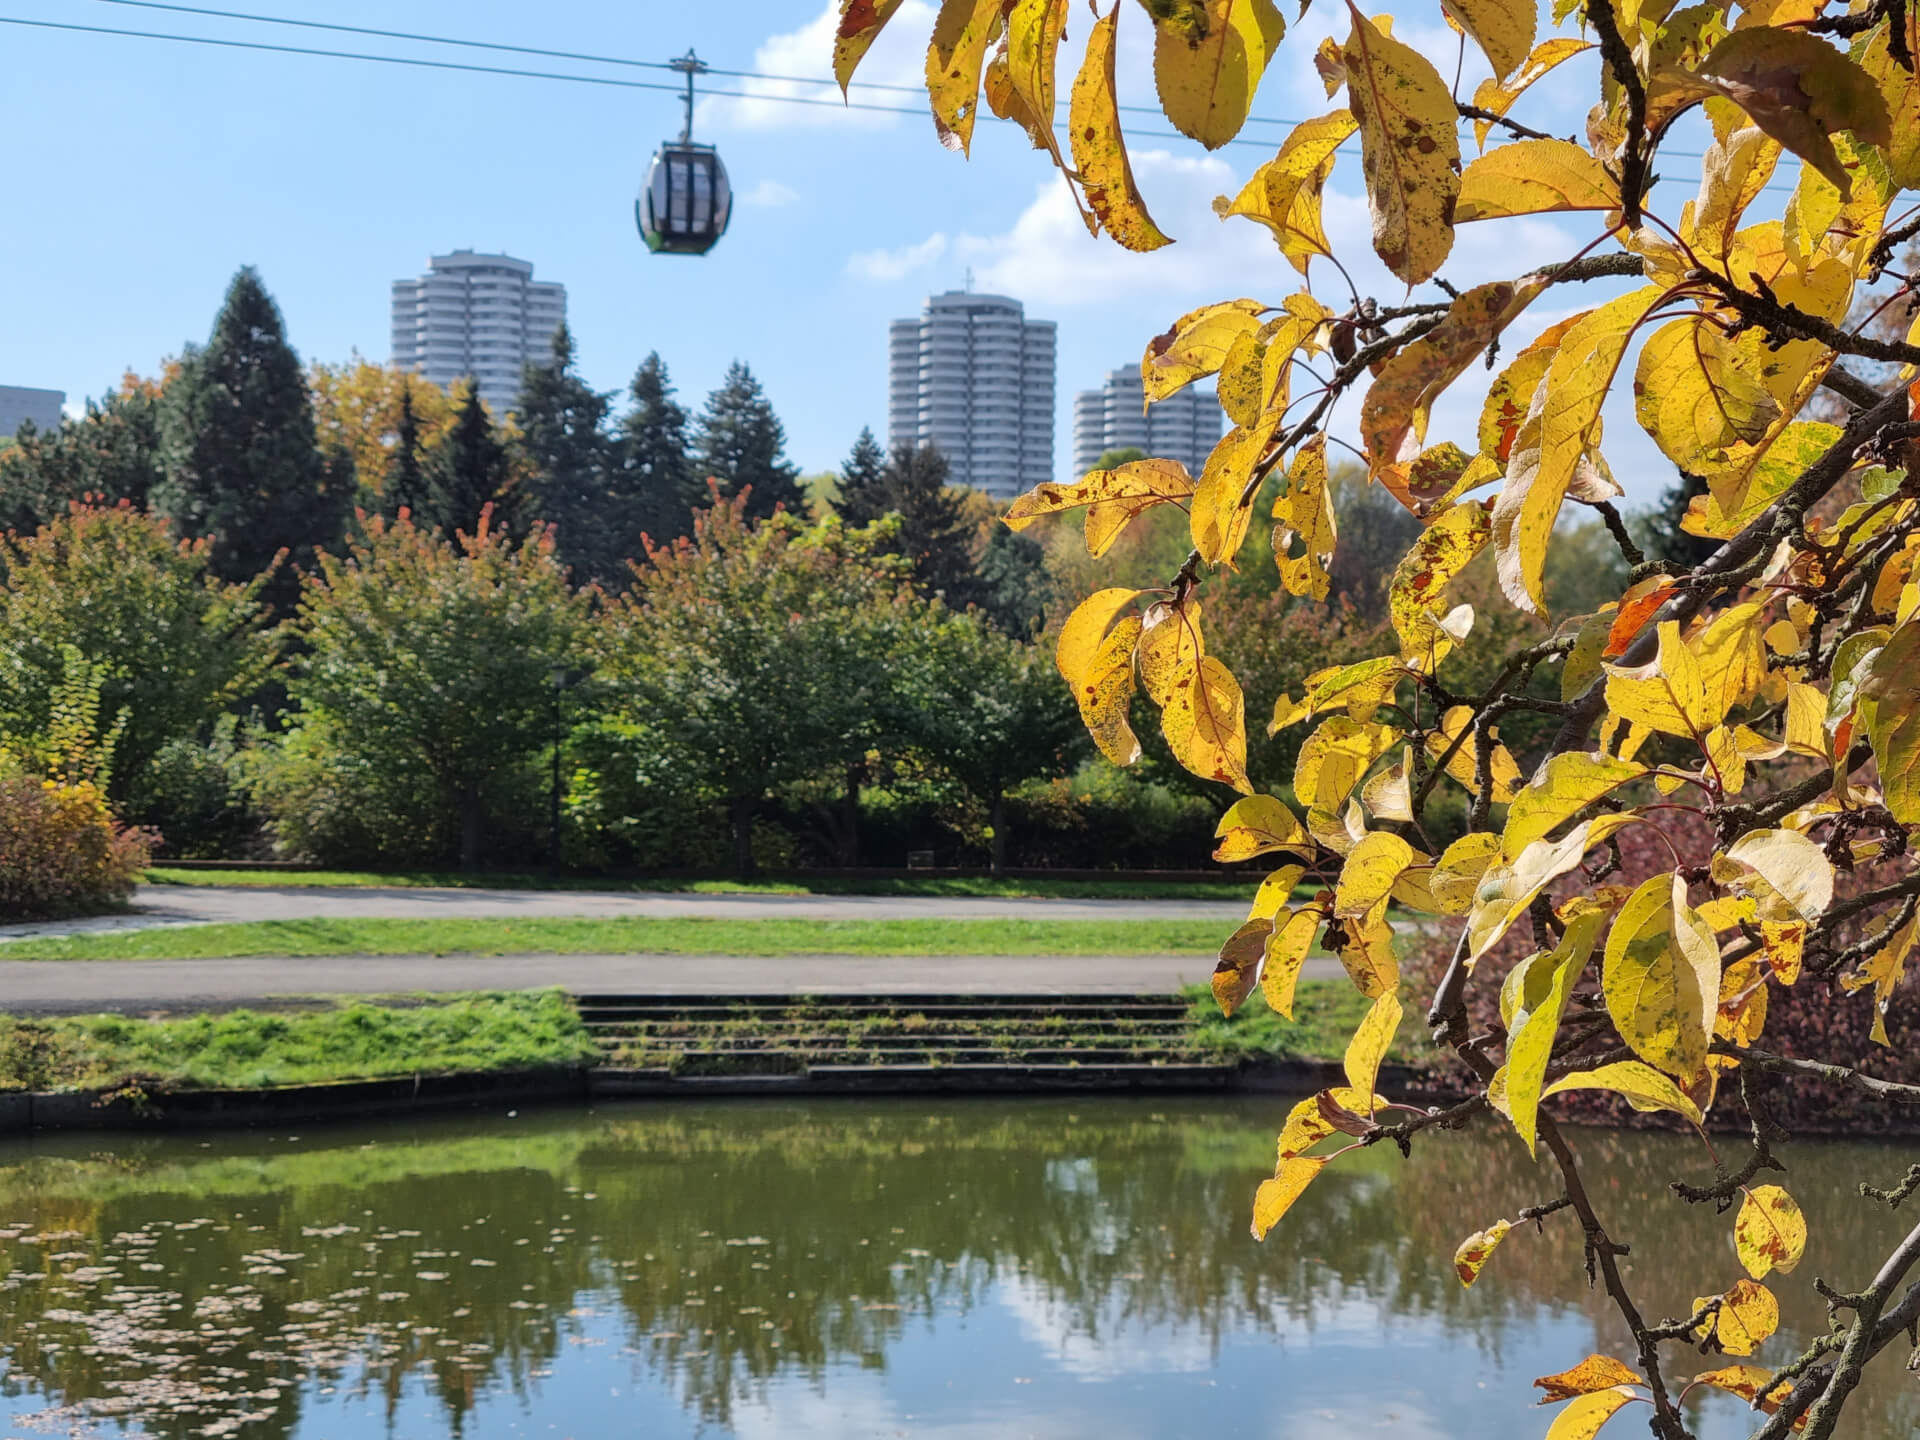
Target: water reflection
960 1269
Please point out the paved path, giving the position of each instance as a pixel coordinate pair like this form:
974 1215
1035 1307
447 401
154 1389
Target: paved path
193 904
53 986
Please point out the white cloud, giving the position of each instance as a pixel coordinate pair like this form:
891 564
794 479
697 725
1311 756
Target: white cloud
806 55
770 195
897 264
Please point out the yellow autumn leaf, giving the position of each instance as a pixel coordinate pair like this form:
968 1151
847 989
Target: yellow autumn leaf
1585 1414
1796 868
1473 1252
1800 90
1884 971
1276 1196
1369 873
1558 791
1750 1382
1170 647
1503 29
1642 1086
1217 518
859 26
1286 953
1497 96
1747 1316
1307 522
1890 711
1733 173
1506 890
1370 1042
1409 149
1538 476
1114 498
1769 1232
1899 89
1208 57
1667 694
1238 969
1273 196
1464 766
1105 690
1099 149
1784 943
1695 398
1275 891
1196 345
1534 1026
1034 29
1596 1372
1368 955
1731 653
961 33
1086 628
1662 978
1456 875
1257 825
1205 725
1534 177
1334 757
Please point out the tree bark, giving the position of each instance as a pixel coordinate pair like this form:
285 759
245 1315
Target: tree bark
997 819
740 815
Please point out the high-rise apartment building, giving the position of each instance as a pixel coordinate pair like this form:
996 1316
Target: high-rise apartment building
19 402
973 377
1185 426
478 315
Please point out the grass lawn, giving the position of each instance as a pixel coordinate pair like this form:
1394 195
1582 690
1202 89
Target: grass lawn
246 1049
798 884
1325 1014
631 935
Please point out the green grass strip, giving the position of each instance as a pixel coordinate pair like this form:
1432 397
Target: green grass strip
245 1049
1325 1015
627 935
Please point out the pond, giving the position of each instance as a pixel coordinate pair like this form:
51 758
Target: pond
960 1269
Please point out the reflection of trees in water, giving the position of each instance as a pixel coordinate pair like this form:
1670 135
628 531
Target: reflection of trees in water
744 1243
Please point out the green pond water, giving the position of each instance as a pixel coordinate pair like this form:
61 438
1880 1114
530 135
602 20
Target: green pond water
965 1269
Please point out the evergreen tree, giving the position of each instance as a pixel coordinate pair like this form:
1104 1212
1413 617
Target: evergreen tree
569 459
934 533
406 479
469 471
741 445
242 465
863 482
655 478
1012 584
112 451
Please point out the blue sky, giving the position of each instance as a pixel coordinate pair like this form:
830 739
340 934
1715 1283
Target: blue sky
146 172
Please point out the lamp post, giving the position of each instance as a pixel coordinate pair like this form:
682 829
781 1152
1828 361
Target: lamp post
563 679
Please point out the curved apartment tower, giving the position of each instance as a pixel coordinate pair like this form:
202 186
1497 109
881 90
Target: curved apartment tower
1185 426
478 315
973 378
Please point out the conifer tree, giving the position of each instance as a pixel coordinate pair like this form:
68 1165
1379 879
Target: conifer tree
569 459
242 465
112 451
742 444
655 476
934 533
863 482
406 480
469 471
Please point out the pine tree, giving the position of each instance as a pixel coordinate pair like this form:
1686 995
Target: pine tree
242 465
655 478
863 482
112 451
569 458
406 485
741 445
469 471
934 533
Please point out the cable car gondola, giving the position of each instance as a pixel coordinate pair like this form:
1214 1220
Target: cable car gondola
683 206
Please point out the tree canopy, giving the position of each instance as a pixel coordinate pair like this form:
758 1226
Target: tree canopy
1682 808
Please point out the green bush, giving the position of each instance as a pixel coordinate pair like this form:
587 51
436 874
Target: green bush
61 851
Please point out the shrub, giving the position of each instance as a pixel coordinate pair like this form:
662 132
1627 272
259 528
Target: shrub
61 851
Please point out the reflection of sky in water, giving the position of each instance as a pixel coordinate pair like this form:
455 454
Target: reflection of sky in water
960 1271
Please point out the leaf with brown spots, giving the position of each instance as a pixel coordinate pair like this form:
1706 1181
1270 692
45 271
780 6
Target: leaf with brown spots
1409 149
1100 151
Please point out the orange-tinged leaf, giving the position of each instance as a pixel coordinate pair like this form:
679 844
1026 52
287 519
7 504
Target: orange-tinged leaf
1747 1316
1196 345
1257 825
1474 1251
1632 616
1596 1372
1534 177
1409 149
1369 873
1784 943
1100 151
1276 1196
860 24
1286 953
1769 1232
1086 629
1511 395
961 33
1208 57
1417 598
1539 474
1585 1414
1206 727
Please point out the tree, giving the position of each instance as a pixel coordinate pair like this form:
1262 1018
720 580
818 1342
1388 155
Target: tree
1013 587
1729 742
422 655
404 485
357 415
863 496
991 714
770 647
243 466
470 473
742 445
112 452
570 461
110 586
656 474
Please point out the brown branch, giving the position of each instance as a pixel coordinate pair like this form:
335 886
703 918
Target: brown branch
1860 1347
1524 132
1619 58
1843 1075
1783 321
